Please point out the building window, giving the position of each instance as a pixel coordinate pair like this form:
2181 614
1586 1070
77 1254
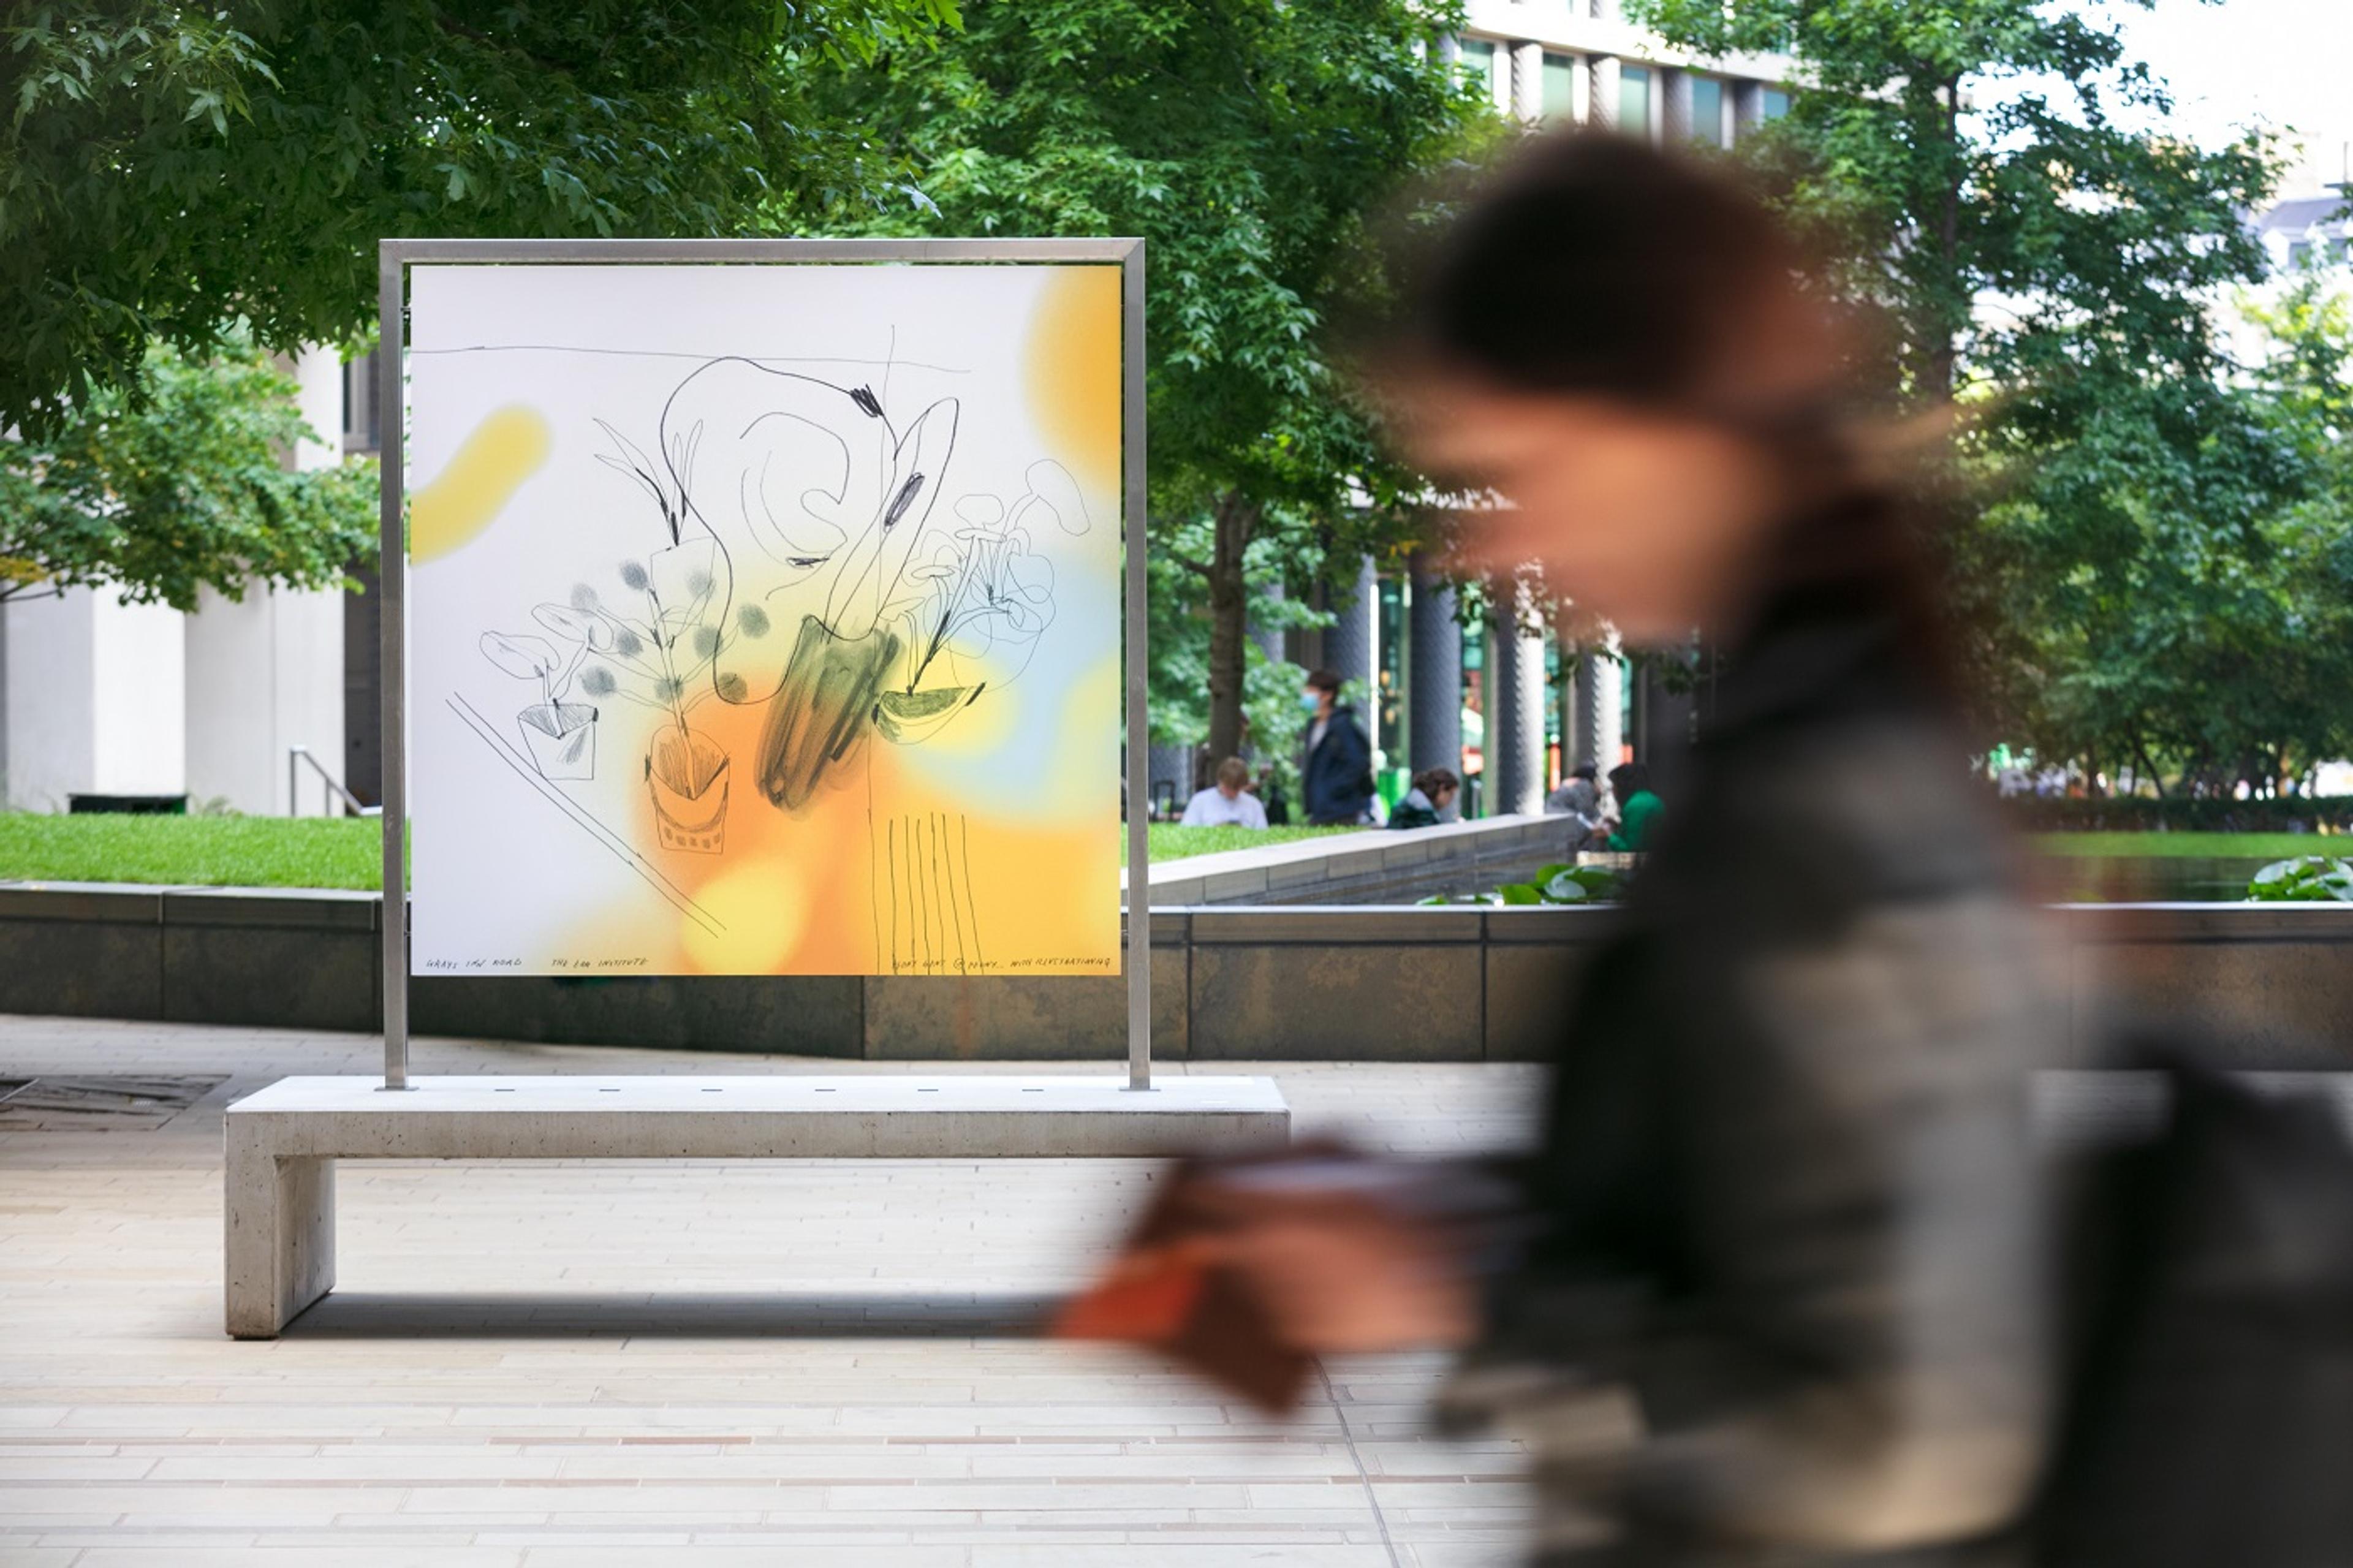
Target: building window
1559 86
1634 100
1479 65
1707 110
2299 252
1776 103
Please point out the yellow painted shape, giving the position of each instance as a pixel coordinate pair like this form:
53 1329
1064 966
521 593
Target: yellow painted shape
506 449
1071 371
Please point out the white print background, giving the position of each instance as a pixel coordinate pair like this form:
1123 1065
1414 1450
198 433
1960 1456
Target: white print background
501 878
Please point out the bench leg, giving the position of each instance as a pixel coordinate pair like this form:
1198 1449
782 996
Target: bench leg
281 1237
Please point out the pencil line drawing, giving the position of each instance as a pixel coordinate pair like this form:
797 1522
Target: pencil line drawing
819 632
885 363
773 483
529 772
934 927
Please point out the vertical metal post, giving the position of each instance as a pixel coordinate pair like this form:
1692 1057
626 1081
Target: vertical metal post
392 579
1139 732
293 775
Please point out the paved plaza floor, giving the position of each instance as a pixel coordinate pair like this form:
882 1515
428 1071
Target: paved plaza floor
581 1365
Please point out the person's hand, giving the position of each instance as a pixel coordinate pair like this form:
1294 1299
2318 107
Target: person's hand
1341 1272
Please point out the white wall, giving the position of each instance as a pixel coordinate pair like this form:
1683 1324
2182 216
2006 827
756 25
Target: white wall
93 701
265 674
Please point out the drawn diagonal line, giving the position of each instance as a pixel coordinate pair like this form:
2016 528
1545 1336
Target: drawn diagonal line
588 819
597 830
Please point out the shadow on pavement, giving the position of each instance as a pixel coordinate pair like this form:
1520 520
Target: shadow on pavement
363 1315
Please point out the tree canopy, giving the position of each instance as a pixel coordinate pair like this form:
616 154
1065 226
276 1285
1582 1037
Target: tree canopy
2144 556
1246 141
167 169
179 488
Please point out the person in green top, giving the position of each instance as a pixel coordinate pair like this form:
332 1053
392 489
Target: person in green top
1638 809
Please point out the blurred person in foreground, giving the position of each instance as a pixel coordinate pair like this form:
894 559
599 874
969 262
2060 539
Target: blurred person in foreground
1786 1218
1227 802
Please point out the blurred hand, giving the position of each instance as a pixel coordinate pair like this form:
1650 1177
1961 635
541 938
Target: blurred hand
1341 1273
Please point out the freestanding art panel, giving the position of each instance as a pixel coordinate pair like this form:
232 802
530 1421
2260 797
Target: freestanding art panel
764 619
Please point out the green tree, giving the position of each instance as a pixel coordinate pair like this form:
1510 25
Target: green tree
1973 171
2207 631
1246 141
1968 165
179 487
166 169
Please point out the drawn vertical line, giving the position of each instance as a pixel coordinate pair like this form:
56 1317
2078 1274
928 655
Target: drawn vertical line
873 901
947 869
923 895
963 828
891 830
932 871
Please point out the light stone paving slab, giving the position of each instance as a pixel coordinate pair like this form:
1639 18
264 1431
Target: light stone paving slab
573 1362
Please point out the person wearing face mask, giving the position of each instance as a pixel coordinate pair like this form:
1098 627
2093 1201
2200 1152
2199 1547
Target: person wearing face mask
1335 772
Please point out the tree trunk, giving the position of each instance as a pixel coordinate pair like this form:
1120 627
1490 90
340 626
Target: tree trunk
1939 373
1235 520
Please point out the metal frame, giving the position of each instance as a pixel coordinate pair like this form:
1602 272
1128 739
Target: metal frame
394 258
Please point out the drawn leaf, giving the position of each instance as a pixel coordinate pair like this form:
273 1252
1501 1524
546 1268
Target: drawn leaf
526 657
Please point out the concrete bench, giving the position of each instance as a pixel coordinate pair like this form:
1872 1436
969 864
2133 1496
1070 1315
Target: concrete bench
284 1143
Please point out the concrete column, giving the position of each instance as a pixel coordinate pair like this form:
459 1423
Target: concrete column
265 674
1265 632
1600 704
1351 643
1515 687
93 699
1674 89
1527 83
1747 107
1601 73
1434 673
1580 90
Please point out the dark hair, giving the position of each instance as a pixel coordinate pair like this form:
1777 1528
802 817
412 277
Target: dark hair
1323 680
1586 771
1594 263
1435 781
1628 780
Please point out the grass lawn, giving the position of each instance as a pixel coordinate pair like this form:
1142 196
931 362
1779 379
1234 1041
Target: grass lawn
2252 846
1170 842
202 851
321 851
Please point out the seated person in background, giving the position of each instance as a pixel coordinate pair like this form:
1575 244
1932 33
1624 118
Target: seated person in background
1426 804
1638 809
1579 799
1226 803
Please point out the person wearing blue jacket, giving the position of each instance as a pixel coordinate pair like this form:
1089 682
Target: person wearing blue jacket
1335 769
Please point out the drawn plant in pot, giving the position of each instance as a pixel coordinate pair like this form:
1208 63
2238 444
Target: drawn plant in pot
820 500
559 736
987 596
665 657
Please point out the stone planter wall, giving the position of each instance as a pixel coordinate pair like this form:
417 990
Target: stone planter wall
2273 983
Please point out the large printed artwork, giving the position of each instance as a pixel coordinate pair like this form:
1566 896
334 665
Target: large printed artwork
764 619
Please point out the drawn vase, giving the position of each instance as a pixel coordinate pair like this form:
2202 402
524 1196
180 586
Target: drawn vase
820 714
686 773
562 737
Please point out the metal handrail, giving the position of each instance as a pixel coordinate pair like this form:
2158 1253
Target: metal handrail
296 755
